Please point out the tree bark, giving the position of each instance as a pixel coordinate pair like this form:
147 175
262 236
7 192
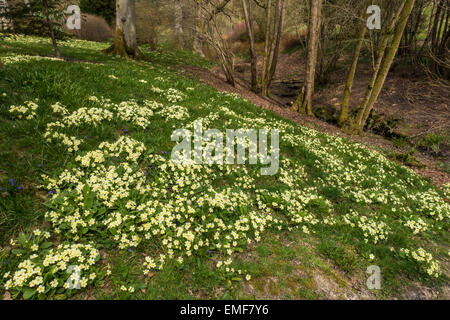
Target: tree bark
248 16
279 18
50 28
199 29
178 23
303 103
343 117
266 45
363 113
125 43
272 44
380 55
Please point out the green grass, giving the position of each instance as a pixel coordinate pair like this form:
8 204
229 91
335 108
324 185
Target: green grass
314 239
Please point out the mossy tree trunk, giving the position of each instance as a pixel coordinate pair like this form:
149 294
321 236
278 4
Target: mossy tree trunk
381 73
125 43
376 68
249 22
272 44
303 103
343 116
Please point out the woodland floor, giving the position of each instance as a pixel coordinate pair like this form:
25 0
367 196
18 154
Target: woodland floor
417 105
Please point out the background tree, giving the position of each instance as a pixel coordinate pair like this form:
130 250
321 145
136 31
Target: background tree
37 17
212 13
382 70
198 29
125 42
343 116
437 43
247 7
274 27
274 12
50 25
303 103
178 23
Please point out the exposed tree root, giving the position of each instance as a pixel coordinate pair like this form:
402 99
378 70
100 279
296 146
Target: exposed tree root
119 48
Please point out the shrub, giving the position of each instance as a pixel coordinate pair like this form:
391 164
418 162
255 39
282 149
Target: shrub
103 8
433 141
93 28
291 42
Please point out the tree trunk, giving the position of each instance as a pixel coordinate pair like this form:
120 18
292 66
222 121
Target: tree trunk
279 18
50 28
199 29
380 55
272 44
248 16
343 117
178 23
363 113
303 103
266 47
438 51
125 43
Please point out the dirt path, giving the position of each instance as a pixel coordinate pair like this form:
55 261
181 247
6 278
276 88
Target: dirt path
216 79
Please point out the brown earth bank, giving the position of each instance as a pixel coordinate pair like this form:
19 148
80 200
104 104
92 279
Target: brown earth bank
417 106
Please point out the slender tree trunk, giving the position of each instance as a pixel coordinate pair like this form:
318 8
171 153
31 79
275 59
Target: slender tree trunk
380 55
430 24
434 33
199 29
266 47
279 16
416 26
178 23
125 42
248 16
50 28
384 70
343 117
439 45
272 44
303 103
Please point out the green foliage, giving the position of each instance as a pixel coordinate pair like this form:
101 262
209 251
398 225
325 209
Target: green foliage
30 18
103 8
400 142
433 141
344 257
406 158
